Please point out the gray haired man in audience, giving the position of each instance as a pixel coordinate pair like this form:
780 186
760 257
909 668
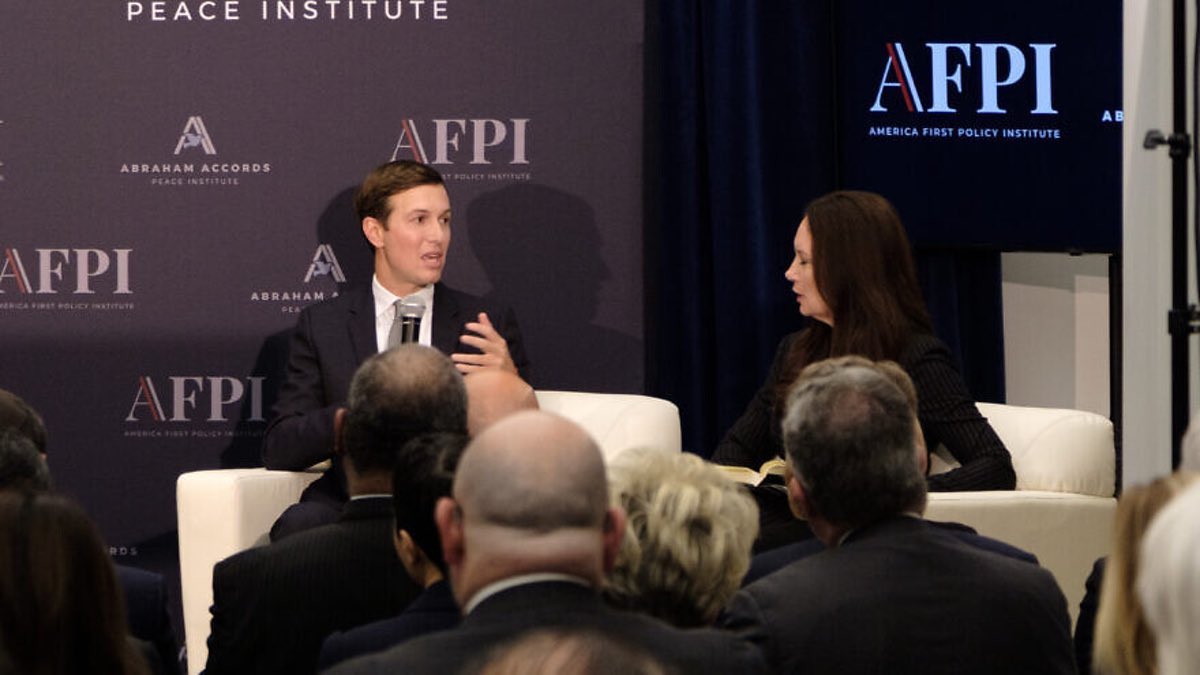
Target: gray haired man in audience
274 605
528 537
890 594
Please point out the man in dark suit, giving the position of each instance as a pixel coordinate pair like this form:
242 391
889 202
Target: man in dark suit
891 593
405 215
528 537
273 606
423 475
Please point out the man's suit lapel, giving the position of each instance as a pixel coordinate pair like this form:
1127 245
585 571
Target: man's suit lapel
361 325
447 322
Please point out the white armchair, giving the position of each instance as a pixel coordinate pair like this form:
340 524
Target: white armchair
1063 506
225 511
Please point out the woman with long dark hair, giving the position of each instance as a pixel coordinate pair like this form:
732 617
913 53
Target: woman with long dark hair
853 273
61 609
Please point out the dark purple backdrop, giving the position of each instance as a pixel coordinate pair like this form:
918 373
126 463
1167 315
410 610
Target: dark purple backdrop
210 163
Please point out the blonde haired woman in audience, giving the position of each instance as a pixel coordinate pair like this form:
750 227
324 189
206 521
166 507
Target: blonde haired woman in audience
1123 642
688 538
1169 584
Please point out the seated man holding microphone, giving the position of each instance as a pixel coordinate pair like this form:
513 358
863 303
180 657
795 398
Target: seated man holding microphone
405 213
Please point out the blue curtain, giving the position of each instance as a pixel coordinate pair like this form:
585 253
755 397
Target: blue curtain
741 128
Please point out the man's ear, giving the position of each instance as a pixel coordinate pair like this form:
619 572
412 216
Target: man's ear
613 534
797 498
373 230
406 550
921 449
339 426
449 523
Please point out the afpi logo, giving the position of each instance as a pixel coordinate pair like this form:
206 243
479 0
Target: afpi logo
195 135
79 271
990 71
479 141
193 398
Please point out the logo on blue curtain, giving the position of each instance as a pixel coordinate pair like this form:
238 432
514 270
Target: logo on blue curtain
980 77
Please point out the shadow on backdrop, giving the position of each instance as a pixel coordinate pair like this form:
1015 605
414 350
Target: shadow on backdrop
540 248
339 228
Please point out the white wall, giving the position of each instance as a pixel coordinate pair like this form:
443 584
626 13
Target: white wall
1056 306
1056 346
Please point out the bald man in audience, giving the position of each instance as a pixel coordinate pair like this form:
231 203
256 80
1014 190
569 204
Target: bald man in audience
493 395
528 537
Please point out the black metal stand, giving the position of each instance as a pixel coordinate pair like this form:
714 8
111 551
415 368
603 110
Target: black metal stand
1182 319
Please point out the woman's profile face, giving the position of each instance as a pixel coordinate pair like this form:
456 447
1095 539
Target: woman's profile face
804 281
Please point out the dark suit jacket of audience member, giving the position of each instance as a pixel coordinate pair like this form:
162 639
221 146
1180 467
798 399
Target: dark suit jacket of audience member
770 561
330 342
274 605
566 605
433 610
146 606
901 596
1085 625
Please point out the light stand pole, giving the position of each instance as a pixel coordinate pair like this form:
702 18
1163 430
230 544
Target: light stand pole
1182 319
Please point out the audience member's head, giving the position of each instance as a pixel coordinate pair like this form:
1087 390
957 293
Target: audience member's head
1168 583
851 446
530 496
424 473
687 539
394 396
22 467
893 371
1122 641
17 415
493 394
561 651
61 610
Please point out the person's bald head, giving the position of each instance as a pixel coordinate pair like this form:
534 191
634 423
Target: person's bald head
530 496
533 471
494 394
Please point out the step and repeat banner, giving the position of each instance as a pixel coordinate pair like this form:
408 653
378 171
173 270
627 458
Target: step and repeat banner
176 181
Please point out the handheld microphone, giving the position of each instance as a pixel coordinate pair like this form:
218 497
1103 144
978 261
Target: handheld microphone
411 310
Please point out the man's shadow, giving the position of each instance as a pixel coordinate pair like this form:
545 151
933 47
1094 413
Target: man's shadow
540 248
338 227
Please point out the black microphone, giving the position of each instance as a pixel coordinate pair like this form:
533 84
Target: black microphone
412 309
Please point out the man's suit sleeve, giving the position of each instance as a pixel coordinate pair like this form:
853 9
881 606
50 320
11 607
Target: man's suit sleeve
301 433
225 653
511 332
744 618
